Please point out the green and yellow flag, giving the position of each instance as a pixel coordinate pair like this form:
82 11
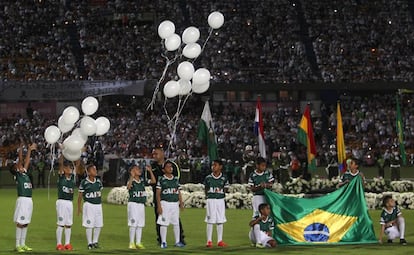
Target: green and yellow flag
400 133
340 217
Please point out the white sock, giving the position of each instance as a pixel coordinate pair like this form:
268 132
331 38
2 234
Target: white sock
89 235
68 232
209 232
131 234
18 236
401 226
163 234
256 232
177 233
138 235
59 232
219 232
96 232
23 236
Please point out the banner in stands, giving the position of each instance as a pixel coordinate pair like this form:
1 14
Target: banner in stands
69 90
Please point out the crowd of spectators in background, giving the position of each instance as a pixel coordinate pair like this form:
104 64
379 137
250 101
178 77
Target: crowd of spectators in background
261 41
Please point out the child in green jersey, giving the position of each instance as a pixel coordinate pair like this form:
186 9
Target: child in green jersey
392 221
136 204
262 228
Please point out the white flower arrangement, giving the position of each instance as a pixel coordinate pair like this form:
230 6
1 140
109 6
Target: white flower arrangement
240 196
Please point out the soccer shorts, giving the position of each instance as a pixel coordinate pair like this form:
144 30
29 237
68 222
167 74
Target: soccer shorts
392 232
64 210
263 238
257 200
92 216
23 211
170 214
216 211
136 214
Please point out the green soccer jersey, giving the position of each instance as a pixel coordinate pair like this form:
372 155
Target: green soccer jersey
267 225
66 187
137 192
169 188
215 186
255 179
24 185
348 176
91 190
387 216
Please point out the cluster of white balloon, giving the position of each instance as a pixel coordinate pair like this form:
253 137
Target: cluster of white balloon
87 126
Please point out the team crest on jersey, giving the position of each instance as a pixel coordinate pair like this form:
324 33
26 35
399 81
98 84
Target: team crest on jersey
60 218
132 221
88 222
22 218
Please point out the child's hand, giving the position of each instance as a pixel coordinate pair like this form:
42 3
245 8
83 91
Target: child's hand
182 206
148 168
33 147
159 210
263 217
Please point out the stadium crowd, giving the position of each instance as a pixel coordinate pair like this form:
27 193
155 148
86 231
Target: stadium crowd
117 40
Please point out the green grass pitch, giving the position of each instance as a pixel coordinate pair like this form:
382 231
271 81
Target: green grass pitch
114 237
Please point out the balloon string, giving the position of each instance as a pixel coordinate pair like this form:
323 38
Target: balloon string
210 32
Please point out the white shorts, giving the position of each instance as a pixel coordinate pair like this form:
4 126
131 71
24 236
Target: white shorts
136 214
64 211
216 211
262 239
392 232
23 211
170 214
257 200
92 216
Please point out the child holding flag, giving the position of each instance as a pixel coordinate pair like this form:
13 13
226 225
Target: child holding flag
136 204
169 202
216 184
392 221
352 172
260 180
262 228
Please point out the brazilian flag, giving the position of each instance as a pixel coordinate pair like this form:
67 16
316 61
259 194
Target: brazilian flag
340 217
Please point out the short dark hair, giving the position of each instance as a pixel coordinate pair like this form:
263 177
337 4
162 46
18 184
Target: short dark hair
167 162
386 199
260 160
263 206
89 167
218 161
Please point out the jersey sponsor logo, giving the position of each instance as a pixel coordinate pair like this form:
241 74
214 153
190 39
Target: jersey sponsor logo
139 194
27 185
168 191
67 190
93 194
216 190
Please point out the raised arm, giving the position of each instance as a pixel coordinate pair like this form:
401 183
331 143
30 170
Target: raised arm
152 176
31 148
61 164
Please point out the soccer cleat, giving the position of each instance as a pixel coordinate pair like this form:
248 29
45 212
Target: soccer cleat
20 249
163 245
403 242
140 246
209 244
90 246
252 245
259 245
26 248
389 241
96 246
180 245
68 247
221 244
132 246
60 247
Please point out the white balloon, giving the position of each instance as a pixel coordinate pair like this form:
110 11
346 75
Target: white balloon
64 128
192 50
52 134
90 105
73 143
88 126
78 133
185 70
201 76
215 20
171 89
191 35
172 42
70 115
185 87
71 155
102 125
166 29
200 88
